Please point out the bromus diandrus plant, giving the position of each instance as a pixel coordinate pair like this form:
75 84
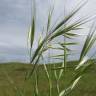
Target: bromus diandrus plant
65 28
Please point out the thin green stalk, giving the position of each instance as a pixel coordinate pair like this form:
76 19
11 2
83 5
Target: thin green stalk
48 77
49 80
36 91
65 64
57 81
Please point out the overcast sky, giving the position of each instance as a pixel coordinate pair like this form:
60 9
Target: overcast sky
15 16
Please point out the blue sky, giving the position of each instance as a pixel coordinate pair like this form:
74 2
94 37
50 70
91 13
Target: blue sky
15 16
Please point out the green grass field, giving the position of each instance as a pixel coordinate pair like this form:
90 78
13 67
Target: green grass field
17 71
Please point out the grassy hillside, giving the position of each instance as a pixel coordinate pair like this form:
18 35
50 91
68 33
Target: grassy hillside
86 86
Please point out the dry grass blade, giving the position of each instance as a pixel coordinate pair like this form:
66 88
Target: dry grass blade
69 16
89 42
67 29
31 33
49 19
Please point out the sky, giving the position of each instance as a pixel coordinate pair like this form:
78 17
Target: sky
15 20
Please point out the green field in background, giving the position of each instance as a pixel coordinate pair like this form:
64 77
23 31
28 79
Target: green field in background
17 72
